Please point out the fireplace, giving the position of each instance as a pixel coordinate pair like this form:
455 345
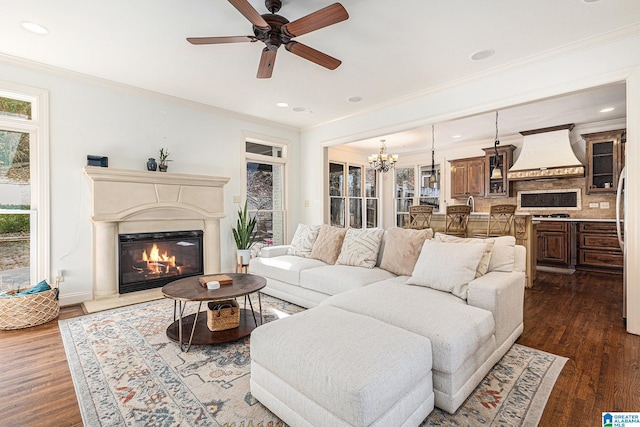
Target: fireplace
129 203
151 260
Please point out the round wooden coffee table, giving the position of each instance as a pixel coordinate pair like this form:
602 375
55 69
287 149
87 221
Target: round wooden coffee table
189 289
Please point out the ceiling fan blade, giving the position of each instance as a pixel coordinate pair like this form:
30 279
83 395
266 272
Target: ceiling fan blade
218 40
267 60
319 19
250 13
313 55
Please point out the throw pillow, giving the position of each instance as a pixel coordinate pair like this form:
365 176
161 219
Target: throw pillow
447 267
303 240
328 244
360 247
503 256
483 267
401 249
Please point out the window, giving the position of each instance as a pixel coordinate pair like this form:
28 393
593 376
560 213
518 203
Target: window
405 184
23 191
405 194
337 201
371 197
359 199
429 190
265 191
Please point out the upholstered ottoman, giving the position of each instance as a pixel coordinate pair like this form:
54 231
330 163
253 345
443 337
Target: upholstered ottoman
326 366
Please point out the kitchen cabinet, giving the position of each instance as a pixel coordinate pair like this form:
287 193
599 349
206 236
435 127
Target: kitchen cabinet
554 244
498 187
605 159
598 247
467 177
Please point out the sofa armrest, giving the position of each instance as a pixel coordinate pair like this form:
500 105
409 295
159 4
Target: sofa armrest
503 295
274 251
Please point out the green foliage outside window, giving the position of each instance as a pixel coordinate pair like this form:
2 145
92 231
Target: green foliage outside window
15 107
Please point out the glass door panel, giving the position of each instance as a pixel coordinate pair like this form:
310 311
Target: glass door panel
15 210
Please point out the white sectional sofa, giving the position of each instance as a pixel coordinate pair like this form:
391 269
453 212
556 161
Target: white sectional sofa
465 296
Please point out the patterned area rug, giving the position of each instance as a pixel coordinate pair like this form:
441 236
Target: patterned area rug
127 372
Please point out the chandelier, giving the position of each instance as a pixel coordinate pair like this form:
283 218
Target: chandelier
383 162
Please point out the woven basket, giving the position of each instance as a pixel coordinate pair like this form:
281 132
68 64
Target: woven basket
223 315
24 311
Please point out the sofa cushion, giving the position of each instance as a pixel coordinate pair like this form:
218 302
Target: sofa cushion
360 247
483 266
328 244
356 367
333 279
303 240
456 330
402 248
285 268
447 267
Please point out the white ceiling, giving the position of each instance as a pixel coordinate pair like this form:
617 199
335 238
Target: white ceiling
390 50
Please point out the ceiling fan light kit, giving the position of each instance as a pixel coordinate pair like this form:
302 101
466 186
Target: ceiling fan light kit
276 30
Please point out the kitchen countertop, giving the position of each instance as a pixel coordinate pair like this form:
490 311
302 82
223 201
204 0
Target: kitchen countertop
574 219
535 218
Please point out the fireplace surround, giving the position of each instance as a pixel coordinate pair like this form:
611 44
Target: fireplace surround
126 202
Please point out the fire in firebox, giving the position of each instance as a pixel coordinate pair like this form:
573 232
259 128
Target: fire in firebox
149 260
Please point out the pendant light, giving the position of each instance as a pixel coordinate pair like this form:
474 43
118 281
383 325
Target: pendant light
433 179
496 173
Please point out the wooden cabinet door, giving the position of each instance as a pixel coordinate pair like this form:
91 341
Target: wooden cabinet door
555 248
475 178
458 179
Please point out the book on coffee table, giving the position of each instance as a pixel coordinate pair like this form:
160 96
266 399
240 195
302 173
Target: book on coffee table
222 278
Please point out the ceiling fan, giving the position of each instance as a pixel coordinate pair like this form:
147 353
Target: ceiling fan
276 30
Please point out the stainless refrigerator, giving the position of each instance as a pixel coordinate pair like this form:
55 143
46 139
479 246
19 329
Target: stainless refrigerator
620 206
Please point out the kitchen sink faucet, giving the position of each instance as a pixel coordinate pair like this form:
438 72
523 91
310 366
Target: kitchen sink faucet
472 203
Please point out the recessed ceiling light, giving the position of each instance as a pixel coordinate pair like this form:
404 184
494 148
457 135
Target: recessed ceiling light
482 54
35 28
607 110
298 109
282 105
456 136
589 1
354 99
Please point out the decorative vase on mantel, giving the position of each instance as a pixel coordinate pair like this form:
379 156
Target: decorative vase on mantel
163 167
164 155
151 164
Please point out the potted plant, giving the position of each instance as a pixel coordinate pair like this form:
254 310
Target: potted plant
244 234
164 154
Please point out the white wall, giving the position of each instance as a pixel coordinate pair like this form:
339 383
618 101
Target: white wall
89 116
556 75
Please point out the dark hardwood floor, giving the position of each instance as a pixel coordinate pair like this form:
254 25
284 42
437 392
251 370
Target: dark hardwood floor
577 316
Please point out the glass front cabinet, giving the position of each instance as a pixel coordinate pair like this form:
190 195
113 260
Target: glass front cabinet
498 186
605 159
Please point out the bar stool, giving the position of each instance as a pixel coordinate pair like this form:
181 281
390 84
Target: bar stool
500 220
457 218
420 217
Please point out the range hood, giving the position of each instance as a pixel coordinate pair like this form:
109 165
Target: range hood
546 153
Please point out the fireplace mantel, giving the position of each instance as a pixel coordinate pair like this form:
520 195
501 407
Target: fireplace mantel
126 201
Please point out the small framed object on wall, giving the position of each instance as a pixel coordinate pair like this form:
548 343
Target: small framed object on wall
101 161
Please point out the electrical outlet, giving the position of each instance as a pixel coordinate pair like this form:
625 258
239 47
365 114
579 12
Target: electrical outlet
593 205
604 205
306 203
236 199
